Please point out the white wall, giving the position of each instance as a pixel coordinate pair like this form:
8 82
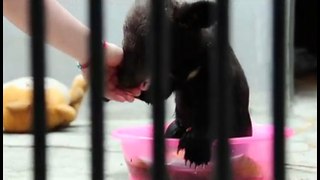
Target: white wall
250 37
16 43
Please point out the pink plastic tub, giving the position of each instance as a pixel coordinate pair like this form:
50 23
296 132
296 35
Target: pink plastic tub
251 156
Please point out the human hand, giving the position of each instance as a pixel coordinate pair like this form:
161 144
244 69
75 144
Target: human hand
113 57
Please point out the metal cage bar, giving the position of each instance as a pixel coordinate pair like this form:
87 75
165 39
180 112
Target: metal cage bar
279 84
96 84
158 54
224 94
37 12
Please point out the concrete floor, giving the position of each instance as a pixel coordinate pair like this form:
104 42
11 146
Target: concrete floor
69 150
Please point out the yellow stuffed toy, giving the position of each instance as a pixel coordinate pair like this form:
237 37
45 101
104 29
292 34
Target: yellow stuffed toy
62 105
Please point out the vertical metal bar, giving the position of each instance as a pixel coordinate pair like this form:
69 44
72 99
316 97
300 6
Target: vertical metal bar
96 84
157 55
279 87
221 80
213 95
289 41
38 71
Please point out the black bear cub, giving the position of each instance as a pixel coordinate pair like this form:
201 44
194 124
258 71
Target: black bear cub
193 34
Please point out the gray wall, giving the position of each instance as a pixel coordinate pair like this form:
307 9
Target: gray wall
59 65
250 37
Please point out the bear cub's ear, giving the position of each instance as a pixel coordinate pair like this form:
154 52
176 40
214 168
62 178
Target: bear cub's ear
196 15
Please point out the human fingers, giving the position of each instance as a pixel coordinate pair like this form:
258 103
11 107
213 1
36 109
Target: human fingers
134 92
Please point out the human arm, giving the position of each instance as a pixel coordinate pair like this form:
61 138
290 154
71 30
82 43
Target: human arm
69 35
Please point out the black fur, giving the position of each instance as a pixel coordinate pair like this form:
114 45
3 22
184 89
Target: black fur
192 36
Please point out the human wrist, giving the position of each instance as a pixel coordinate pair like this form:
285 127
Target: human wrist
84 64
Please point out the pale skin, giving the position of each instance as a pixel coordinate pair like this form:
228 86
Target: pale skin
69 35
